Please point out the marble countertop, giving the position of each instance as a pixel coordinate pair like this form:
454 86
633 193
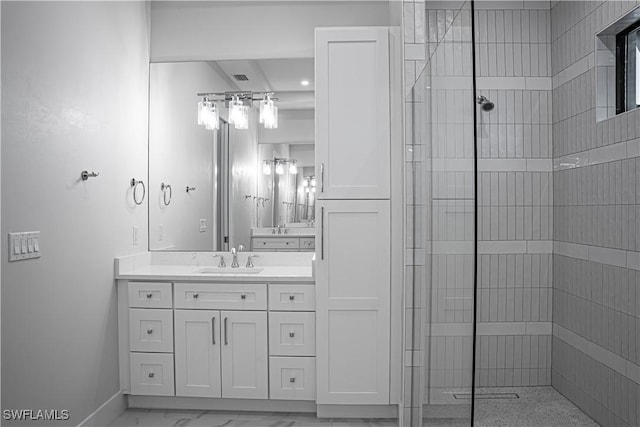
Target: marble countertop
202 267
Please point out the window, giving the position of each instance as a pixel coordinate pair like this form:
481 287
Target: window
628 69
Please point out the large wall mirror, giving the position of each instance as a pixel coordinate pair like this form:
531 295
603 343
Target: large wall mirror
210 189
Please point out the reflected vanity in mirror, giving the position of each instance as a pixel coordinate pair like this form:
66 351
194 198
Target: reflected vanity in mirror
221 184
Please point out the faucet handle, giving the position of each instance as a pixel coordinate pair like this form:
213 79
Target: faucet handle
250 260
221 264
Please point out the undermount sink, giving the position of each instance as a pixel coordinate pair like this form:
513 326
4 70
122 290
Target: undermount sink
228 270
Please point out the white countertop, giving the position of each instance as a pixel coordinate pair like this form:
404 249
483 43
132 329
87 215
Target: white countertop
186 266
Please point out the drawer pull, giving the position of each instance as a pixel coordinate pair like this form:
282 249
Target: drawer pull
243 296
151 374
292 334
292 380
287 243
292 297
149 331
225 332
195 296
264 243
149 296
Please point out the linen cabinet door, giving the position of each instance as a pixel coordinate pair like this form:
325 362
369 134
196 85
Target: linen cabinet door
353 287
197 353
353 139
244 355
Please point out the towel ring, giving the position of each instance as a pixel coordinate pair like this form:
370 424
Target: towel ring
135 184
164 187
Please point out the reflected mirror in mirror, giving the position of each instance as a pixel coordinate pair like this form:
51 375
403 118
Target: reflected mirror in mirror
209 185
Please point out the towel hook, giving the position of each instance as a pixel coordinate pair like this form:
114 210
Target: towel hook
134 184
164 187
85 175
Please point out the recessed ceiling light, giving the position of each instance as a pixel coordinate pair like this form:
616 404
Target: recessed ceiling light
305 83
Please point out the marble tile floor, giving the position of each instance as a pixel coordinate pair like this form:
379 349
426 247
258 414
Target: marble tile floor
170 418
536 407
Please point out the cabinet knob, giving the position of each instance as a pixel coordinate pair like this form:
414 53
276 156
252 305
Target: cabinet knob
292 334
195 296
292 380
291 297
243 296
287 243
151 374
149 331
149 296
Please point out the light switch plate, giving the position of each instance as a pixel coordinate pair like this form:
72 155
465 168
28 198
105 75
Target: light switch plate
203 225
24 245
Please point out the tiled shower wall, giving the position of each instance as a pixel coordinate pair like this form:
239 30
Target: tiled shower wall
596 307
513 63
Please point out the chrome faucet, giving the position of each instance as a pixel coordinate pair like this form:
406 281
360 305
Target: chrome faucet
221 264
234 263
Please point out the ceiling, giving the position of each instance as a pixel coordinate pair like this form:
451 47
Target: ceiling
282 76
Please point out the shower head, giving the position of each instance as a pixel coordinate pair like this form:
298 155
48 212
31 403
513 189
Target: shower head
485 104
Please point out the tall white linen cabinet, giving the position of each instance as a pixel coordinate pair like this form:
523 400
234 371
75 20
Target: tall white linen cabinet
353 216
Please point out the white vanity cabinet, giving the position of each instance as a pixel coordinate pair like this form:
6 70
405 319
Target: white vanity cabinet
211 340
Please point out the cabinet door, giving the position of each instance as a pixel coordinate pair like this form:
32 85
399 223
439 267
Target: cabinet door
352 113
197 353
244 354
353 288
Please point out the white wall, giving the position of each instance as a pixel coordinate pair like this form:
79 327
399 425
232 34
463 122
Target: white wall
183 31
181 153
294 127
74 78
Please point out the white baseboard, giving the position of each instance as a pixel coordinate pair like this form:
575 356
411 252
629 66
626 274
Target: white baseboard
220 404
357 411
107 412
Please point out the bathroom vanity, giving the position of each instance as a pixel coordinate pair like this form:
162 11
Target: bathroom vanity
190 329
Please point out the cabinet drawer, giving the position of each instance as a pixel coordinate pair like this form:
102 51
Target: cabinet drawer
276 243
150 295
292 334
292 297
292 378
239 296
151 330
307 243
152 374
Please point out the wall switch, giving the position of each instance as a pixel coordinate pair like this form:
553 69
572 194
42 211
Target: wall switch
24 245
203 225
135 235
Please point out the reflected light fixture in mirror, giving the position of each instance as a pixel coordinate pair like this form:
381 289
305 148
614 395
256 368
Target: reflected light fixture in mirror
238 104
278 164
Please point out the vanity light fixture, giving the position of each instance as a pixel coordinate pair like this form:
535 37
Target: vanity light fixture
309 184
239 104
278 166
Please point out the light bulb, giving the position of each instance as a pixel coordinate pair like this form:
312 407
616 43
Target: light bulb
211 117
279 169
313 189
305 183
306 190
266 167
268 113
293 169
313 182
202 111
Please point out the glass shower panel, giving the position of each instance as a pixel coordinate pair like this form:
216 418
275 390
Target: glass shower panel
442 115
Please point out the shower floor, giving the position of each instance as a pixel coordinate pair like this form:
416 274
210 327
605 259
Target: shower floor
535 407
